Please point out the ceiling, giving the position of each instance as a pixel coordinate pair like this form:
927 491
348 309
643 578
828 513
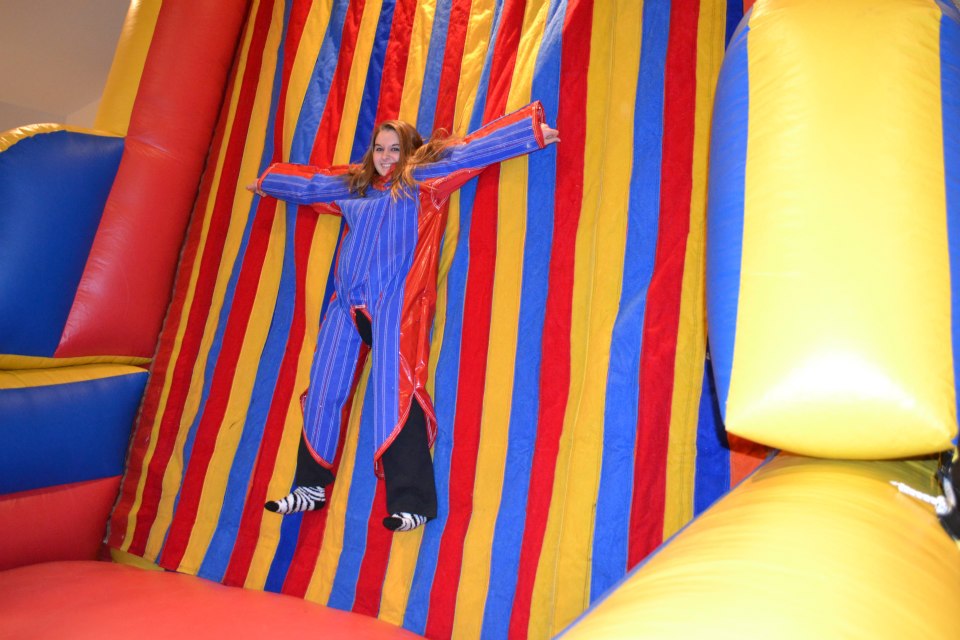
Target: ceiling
54 58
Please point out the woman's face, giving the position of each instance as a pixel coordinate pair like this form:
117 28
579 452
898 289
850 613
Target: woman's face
386 151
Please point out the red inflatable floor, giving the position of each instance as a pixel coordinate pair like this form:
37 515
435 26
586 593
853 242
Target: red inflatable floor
107 600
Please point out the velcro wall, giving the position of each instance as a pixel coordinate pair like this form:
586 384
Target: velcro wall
568 349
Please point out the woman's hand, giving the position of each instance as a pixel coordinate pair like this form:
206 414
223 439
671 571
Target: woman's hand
253 187
550 135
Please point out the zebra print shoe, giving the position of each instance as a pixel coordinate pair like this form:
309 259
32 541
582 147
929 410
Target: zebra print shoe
403 521
302 499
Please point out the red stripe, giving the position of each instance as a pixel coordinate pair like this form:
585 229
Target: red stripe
555 366
325 143
395 60
373 568
452 60
745 457
304 560
469 411
662 320
478 300
203 293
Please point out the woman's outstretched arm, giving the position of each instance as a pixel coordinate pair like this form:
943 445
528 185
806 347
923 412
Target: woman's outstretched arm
302 184
509 136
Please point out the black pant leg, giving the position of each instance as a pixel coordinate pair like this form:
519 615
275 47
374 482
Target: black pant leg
408 468
310 473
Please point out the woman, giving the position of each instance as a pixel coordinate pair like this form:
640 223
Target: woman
385 296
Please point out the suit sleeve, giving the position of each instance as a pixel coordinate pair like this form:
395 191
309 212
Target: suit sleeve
509 136
304 184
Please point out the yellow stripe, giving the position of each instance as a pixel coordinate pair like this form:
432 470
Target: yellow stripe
172 474
123 81
562 586
843 329
404 552
122 557
501 352
25 378
355 85
240 394
451 238
691 335
321 582
34 362
475 46
417 60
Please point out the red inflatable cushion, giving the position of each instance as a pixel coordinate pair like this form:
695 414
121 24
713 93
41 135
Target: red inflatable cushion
106 600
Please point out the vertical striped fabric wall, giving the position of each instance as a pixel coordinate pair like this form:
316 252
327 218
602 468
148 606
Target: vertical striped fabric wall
568 347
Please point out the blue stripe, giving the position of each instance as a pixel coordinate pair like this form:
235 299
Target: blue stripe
725 198
367 117
434 66
712 474
950 96
62 433
615 494
508 531
734 15
53 188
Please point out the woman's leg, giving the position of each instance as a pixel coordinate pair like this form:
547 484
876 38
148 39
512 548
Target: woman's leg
407 465
331 381
310 473
310 485
408 473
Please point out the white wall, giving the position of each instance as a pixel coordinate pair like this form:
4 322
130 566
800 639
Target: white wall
54 58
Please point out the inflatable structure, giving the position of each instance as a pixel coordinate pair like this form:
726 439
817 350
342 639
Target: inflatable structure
167 329
831 286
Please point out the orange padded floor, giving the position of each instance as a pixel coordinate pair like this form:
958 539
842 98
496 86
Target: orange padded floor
107 600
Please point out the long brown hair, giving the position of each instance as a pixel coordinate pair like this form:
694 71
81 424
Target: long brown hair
413 152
